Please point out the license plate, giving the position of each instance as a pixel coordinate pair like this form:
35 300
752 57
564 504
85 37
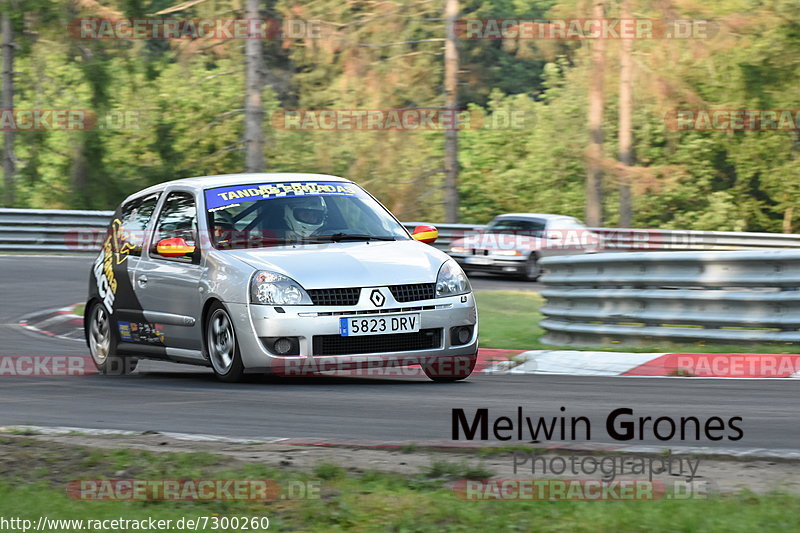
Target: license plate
478 260
378 325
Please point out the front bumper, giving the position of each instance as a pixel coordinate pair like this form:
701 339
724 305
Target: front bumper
497 264
254 322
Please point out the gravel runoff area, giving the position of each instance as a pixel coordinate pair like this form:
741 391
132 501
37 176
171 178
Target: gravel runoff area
724 474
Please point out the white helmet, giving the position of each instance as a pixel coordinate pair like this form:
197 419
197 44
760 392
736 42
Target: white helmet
305 215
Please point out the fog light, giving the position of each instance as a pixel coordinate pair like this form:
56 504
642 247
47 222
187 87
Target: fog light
283 346
460 335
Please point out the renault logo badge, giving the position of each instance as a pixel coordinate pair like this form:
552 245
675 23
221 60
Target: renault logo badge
377 298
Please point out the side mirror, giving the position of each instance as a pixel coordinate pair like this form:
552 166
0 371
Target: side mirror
174 247
426 234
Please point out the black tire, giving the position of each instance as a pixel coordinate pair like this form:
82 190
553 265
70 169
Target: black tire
532 269
448 370
221 345
102 338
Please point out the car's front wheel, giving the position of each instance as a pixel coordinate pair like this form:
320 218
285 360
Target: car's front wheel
101 334
449 369
532 269
223 350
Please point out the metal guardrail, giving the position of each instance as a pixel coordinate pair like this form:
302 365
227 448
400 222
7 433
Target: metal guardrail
646 298
632 239
627 239
38 230
49 230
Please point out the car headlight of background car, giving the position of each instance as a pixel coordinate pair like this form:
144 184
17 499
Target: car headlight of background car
451 280
511 253
271 288
459 249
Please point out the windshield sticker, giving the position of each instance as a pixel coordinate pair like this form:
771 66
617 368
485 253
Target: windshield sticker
223 197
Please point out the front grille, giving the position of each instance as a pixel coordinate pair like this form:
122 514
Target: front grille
413 292
425 339
335 296
379 311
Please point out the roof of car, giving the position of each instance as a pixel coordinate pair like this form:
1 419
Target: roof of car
547 216
204 182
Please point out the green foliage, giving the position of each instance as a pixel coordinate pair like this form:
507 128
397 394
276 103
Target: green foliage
172 109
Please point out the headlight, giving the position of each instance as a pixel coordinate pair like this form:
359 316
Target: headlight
459 249
507 252
451 280
271 288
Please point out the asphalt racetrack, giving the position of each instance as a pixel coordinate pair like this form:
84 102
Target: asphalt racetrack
167 397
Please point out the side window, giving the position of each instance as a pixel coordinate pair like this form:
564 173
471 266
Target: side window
527 227
135 217
568 223
177 220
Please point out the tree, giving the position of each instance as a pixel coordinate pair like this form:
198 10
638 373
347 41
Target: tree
625 122
594 174
451 11
9 165
253 106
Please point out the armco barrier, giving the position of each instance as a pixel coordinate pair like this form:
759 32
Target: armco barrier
646 298
52 230
48 230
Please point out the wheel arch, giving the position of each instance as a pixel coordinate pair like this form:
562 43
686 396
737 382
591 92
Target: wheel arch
204 320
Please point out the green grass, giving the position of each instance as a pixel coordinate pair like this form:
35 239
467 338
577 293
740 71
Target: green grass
509 319
79 309
360 501
461 470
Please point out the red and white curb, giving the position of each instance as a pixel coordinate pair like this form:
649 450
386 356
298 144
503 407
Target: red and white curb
594 363
62 323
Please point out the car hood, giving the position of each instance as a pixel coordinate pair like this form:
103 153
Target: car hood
349 264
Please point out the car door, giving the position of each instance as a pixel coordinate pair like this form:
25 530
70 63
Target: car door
128 231
168 287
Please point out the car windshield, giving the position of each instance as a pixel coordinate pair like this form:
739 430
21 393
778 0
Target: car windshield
276 214
518 226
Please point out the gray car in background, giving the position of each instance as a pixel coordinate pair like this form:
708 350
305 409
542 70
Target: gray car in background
513 243
275 273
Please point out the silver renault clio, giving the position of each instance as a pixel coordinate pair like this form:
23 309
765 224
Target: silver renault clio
289 274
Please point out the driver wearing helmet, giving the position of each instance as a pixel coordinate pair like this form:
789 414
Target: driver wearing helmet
304 215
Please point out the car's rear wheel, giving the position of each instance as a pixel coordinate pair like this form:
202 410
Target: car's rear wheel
449 369
101 334
223 350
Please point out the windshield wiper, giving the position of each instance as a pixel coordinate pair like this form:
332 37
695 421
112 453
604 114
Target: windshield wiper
338 237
